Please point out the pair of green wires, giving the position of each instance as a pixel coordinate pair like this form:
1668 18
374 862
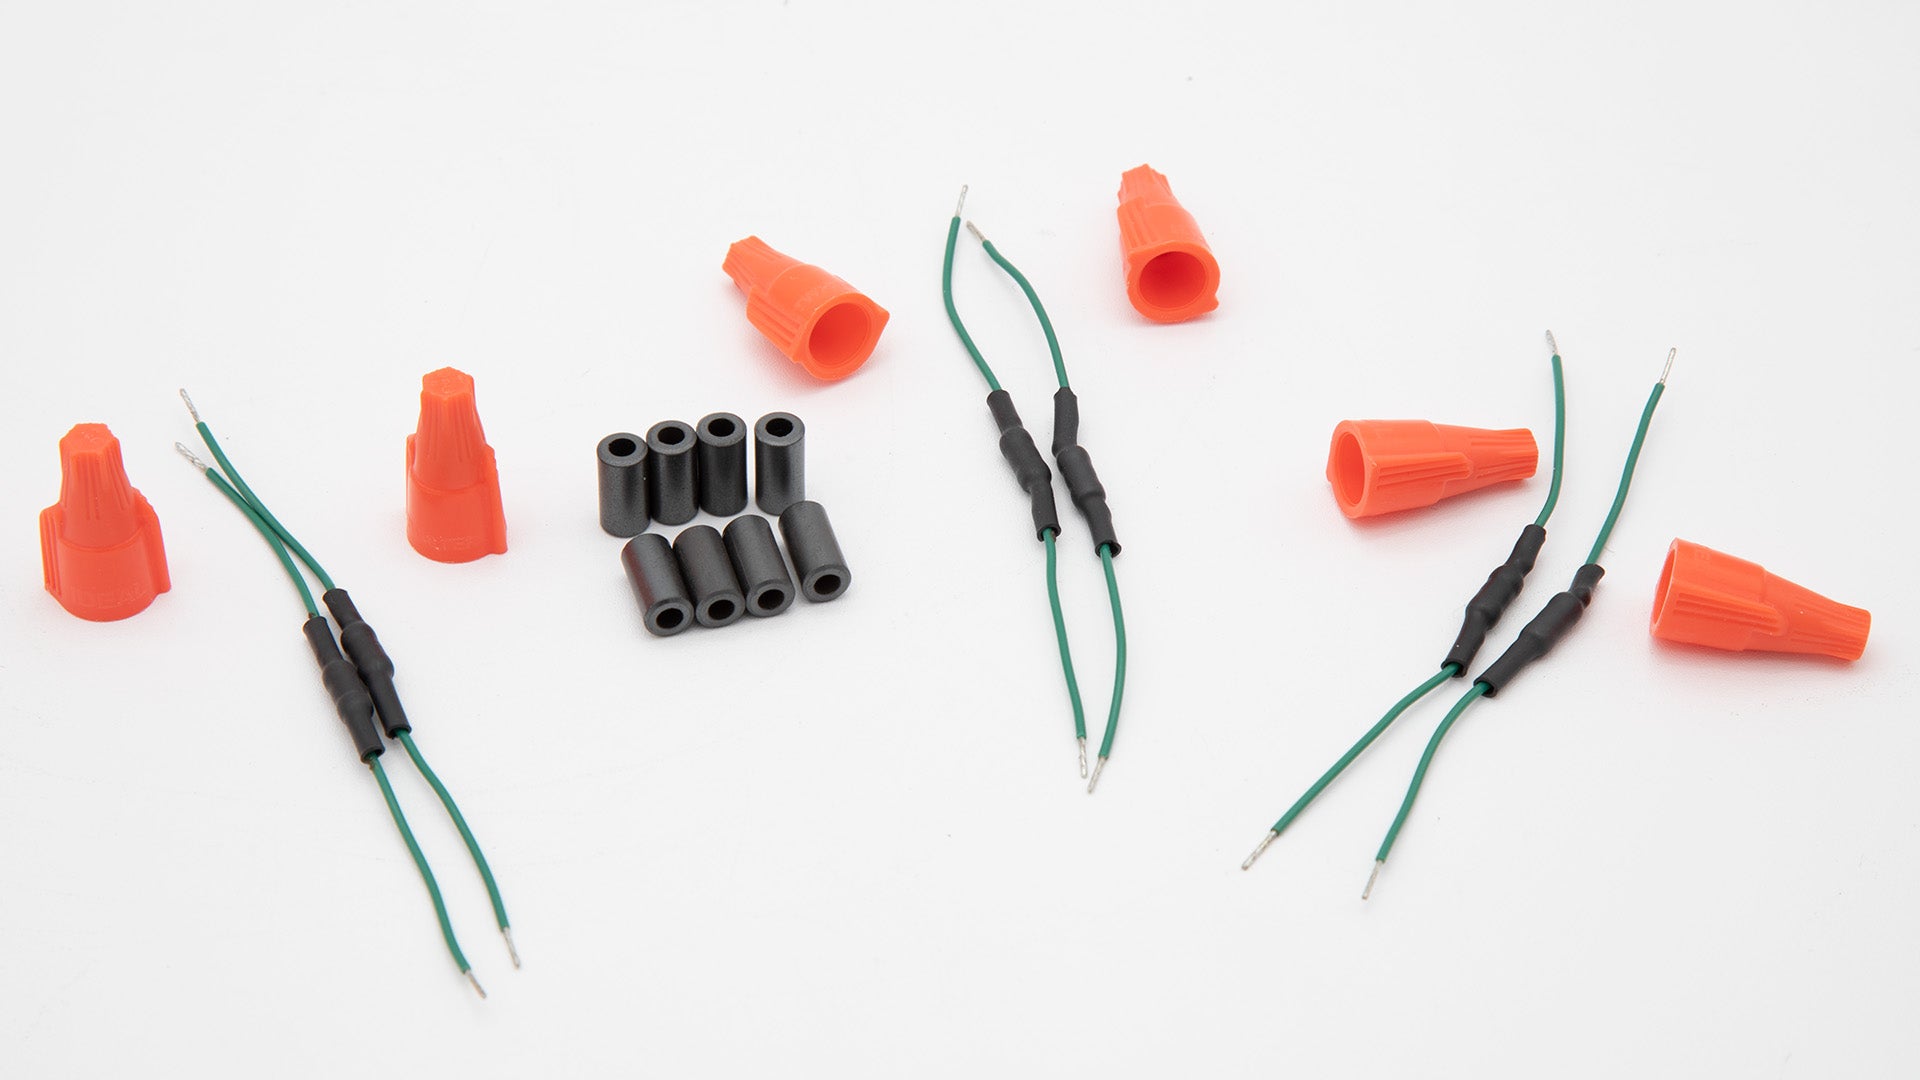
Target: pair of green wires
226 479
1447 671
1048 536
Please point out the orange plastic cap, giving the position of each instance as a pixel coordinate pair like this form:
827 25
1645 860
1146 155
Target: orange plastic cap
1380 466
453 487
1706 597
1171 273
819 321
100 546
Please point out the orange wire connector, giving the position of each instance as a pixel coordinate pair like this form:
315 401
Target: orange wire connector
1171 273
100 549
1380 466
453 486
1706 597
815 319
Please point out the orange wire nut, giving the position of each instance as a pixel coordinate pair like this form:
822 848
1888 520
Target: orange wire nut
1171 273
453 486
1706 597
100 548
817 320
1381 466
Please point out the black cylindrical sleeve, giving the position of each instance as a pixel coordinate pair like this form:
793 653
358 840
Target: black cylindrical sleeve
665 607
815 551
723 464
1493 599
1029 468
1539 637
758 564
779 462
1076 468
350 698
708 572
671 484
370 659
623 483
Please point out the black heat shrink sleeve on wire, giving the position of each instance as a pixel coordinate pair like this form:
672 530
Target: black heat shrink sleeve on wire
1076 468
350 698
1545 631
1029 468
370 659
1493 599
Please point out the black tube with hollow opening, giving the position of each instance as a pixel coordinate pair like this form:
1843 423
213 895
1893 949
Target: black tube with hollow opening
708 572
666 608
671 472
815 551
758 564
779 462
623 483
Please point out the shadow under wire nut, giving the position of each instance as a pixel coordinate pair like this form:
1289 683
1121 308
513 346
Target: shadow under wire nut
779 462
672 489
665 606
815 551
722 467
623 483
708 572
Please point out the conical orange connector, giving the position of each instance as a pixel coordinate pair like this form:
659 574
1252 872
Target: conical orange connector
1380 466
100 547
819 321
1709 598
453 487
1171 273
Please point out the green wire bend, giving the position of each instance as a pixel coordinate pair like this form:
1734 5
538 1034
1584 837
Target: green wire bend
1060 633
233 474
1559 441
1626 474
1119 652
420 861
460 822
1046 324
266 532
1420 771
953 313
1358 748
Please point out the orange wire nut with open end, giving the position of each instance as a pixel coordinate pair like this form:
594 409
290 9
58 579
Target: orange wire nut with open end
1380 466
453 485
1706 597
1171 273
100 549
817 320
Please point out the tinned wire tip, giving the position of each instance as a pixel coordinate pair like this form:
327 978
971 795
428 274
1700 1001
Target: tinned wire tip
187 452
190 409
1098 765
477 988
1083 757
1552 345
512 953
1264 842
1373 877
1668 370
975 230
960 202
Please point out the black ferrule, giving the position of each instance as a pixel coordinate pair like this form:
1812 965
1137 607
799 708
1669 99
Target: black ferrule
665 607
758 564
815 551
1539 637
350 698
1029 468
1076 469
623 483
779 462
370 659
723 464
671 466
1493 599
708 572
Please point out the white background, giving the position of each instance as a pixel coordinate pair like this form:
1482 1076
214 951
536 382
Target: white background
850 841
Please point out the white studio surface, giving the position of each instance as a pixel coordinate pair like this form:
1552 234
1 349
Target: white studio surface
851 841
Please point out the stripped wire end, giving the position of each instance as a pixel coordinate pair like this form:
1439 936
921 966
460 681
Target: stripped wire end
1552 345
513 953
190 409
975 230
1083 757
1373 877
1265 841
1668 370
477 988
187 452
1098 765
960 202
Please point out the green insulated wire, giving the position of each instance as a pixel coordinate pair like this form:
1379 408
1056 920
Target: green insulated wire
946 293
1119 665
1046 324
266 531
1328 777
1066 653
466 834
1559 434
1633 459
1419 777
233 474
426 875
